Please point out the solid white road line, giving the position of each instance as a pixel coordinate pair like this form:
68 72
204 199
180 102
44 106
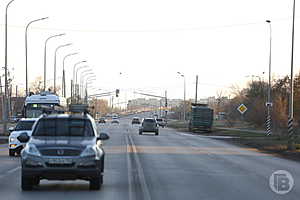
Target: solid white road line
10 171
140 171
129 173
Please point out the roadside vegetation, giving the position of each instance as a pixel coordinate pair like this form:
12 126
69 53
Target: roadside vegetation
254 97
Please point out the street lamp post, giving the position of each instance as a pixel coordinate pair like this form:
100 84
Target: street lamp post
88 81
45 56
5 102
73 80
55 55
184 95
91 77
26 49
82 76
269 102
291 141
64 76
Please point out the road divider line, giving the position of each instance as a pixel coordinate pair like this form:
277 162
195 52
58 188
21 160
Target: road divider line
10 171
129 167
140 171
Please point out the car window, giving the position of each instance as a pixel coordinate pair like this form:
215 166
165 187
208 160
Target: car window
149 120
24 125
63 127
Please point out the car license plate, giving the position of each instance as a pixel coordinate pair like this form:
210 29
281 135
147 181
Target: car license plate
59 161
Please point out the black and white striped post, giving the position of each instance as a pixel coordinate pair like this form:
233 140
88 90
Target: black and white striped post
268 124
290 126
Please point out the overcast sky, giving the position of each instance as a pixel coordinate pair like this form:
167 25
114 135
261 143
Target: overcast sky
149 41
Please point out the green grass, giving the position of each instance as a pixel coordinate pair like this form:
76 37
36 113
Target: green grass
273 143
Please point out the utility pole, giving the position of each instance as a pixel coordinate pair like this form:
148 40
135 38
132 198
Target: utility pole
72 88
166 105
1 86
196 96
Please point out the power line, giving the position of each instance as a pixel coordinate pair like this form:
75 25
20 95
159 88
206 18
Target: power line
151 30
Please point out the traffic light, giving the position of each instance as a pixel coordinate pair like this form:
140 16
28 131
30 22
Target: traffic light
117 92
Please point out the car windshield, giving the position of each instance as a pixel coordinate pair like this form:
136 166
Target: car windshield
63 127
149 120
24 126
159 120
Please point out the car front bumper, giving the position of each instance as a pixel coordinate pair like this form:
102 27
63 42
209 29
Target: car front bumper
78 168
62 173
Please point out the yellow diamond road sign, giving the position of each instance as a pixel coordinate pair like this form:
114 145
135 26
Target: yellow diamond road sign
242 108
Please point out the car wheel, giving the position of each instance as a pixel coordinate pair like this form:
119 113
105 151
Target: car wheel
26 183
156 133
36 181
140 132
19 151
11 152
102 165
95 183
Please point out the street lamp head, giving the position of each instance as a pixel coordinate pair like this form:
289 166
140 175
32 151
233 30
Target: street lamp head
69 44
268 21
44 18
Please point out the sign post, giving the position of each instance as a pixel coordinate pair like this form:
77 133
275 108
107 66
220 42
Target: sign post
242 109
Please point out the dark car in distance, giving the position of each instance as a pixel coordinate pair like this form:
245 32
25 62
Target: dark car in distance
149 125
102 120
135 120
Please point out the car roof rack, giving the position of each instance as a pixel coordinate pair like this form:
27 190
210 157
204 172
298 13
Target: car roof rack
79 108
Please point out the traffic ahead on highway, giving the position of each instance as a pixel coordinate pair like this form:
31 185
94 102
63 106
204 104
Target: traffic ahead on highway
149 100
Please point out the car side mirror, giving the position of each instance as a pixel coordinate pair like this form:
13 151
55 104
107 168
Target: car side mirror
11 129
23 137
103 136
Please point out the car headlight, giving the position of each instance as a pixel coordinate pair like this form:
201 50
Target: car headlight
90 151
12 139
32 150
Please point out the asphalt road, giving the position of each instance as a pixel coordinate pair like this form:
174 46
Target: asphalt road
171 166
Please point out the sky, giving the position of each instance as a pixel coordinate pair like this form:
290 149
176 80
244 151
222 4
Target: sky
139 45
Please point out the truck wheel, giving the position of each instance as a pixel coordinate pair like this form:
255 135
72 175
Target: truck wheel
11 152
95 183
26 183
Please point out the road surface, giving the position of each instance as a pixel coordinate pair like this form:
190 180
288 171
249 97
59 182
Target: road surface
171 166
